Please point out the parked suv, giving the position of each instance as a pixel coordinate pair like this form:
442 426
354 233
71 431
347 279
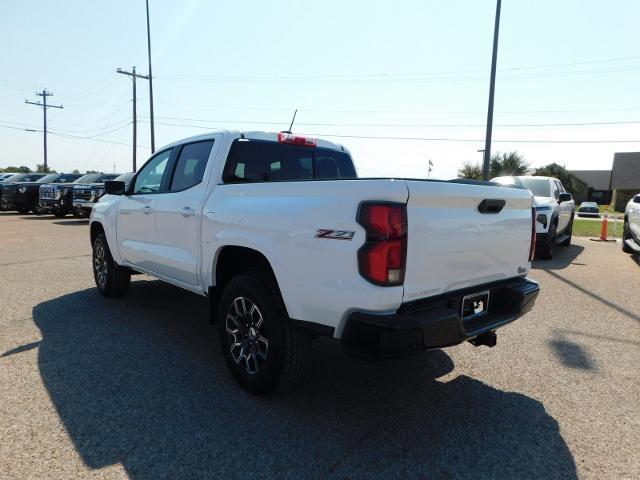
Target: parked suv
9 189
84 196
288 244
631 232
554 211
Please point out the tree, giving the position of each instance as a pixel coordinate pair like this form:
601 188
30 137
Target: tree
40 169
471 171
507 164
75 170
559 172
11 169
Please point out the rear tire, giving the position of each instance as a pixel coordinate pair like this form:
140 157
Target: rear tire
262 349
60 213
626 235
547 249
111 279
23 211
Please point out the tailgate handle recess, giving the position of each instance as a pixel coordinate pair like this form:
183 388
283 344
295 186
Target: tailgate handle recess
491 205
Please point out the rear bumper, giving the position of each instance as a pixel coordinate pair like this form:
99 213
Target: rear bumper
436 322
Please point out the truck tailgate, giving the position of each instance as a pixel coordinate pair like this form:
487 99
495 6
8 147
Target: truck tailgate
453 245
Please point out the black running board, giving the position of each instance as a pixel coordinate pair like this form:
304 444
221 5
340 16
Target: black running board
632 245
562 238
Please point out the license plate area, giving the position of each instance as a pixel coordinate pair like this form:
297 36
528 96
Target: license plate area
474 306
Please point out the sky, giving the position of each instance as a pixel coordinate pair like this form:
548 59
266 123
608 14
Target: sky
397 83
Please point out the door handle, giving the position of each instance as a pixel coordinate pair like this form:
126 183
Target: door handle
147 210
188 212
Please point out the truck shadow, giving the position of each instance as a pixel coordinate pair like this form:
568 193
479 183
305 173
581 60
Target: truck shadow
140 381
76 222
562 258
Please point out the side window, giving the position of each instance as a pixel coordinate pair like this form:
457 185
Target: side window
555 191
149 179
560 187
190 165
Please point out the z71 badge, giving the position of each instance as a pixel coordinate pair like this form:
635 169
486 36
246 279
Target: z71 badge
334 234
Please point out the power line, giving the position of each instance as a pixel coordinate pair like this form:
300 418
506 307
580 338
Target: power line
477 140
426 139
406 125
409 74
416 112
389 78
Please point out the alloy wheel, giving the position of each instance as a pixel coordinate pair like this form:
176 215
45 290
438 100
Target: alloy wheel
247 344
100 265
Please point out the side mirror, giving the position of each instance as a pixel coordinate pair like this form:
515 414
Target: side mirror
636 199
113 187
565 197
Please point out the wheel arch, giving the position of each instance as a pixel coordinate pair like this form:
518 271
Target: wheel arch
232 260
95 229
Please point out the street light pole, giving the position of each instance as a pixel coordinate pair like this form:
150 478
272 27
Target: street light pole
492 85
153 141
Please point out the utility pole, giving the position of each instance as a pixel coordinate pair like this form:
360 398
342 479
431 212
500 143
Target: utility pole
492 86
153 141
133 76
44 94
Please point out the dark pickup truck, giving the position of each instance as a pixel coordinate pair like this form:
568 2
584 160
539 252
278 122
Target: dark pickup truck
57 197
9 188
24 196
85 196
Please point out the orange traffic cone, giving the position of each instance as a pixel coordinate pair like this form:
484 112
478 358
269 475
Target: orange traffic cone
603 231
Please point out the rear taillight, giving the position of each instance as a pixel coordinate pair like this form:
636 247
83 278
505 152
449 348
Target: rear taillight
382 259
296 140
532 247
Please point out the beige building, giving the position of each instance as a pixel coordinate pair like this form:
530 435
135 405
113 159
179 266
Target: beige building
614 186
625 178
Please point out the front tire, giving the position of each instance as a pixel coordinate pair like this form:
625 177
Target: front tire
111 279
37 208
262 349
547 249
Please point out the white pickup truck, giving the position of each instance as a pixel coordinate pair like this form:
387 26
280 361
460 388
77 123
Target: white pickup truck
288 244
554 211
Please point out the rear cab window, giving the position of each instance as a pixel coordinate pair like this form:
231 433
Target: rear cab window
252 161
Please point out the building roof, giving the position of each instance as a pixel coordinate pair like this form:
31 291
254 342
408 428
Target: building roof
596 179
626 171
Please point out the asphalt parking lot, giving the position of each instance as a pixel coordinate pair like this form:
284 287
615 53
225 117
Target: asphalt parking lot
136 387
